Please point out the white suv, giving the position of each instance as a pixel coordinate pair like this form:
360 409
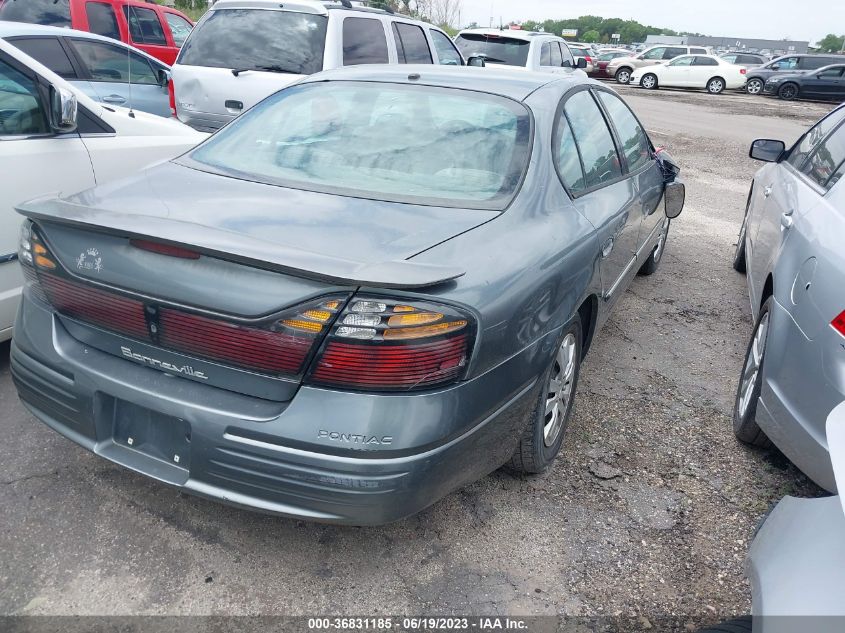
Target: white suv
245 50
539 52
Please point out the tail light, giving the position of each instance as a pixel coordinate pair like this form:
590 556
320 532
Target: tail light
742 71
589 59
379 344
839 324
171 93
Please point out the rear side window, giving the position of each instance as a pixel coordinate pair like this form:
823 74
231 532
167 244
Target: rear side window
364 42
446 51
568 158
49 12
699 51
632 137
671 53
497 50
557 60
705 61
807 143
180 28
109 62
732 59
254 38
814 63
827 160
411 45
50 52
546 55
144 26
595 144
102 20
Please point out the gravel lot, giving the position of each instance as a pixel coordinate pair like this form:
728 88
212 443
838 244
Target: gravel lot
647 513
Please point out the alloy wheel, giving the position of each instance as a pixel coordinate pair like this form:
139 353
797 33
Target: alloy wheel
788 92
754 87
661 242
559 389
649 81
623 76
752 365
716 86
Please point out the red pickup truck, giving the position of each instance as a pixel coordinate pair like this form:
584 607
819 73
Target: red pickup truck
155 29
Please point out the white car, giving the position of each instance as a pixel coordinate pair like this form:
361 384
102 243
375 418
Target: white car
692 71
55 139
528 50
242 51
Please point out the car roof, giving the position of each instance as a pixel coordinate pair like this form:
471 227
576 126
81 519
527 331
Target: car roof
23 29
504 82
512 33
304 6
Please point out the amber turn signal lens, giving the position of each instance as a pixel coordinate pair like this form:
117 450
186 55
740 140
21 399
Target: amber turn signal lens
301 324
334 304
40 250
424 331
403 308
42 261
418 318
318 315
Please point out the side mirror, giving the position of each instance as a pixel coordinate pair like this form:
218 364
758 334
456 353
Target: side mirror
63 109
477 60
767 150
775 66
673 199
163 77
581 63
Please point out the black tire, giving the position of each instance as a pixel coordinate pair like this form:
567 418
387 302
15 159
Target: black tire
623 75
788 91
745 424
533 454
739 252
653 86
650 265
754 86
715 85
737 625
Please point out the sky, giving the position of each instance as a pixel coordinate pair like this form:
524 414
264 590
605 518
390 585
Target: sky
765 19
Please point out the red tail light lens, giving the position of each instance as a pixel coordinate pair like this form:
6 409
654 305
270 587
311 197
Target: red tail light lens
742 71
839 324
164 249
171 93
380 344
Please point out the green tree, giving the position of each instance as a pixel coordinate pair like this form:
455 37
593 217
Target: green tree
591 36
831 43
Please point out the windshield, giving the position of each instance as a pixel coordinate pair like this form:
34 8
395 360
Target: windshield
257 38
391 142
498 50
49 12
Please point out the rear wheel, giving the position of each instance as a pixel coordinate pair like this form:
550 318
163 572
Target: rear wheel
754 86
788 91
716 86
623 75
649 81
543 436
745 424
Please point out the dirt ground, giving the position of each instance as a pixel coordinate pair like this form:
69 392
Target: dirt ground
648 511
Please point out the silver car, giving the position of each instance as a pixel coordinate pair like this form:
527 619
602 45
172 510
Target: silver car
790 244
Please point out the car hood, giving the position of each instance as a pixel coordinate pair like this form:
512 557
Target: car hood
321 235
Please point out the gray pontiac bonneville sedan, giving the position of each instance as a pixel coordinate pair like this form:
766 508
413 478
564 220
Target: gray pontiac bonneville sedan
372 288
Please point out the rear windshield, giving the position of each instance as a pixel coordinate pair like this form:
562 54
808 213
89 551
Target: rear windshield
418 144
498 50
257 39
49 12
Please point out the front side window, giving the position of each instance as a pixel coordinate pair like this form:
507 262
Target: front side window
364 42
654 53
827 160
546 54
682 61
48 12
700 51
257 39
830 73
21 110
144 26
400 143
787 63
672 53
446 51
109 62
595 143
102 20
50 52
807 143
632 137
180 28
496 49
411 45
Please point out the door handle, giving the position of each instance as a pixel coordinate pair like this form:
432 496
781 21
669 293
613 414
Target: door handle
116 99
786 220
767 191
607 247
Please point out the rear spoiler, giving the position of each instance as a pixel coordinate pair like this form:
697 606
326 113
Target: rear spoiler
244 249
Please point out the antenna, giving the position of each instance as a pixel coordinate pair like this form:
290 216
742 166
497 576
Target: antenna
129 70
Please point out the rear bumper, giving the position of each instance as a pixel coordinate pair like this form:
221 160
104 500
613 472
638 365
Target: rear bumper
796 567
299 459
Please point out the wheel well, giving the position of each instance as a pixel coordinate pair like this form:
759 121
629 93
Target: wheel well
588 313
628 68
768 290
716 77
